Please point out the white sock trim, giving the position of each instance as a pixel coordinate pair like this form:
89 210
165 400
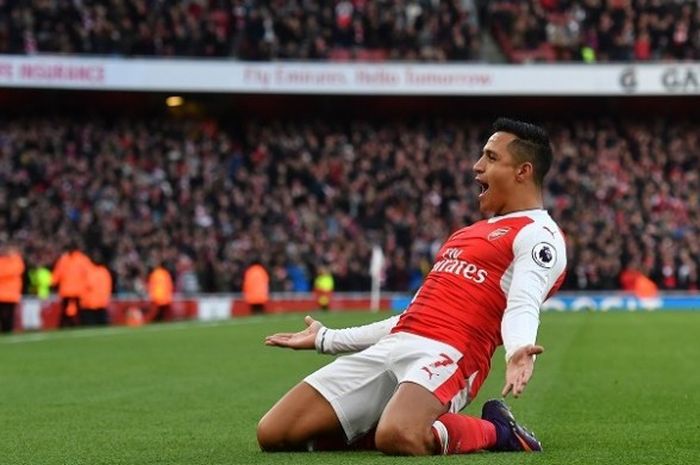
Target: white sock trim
442 435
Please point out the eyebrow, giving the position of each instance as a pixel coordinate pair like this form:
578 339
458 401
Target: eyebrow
489 152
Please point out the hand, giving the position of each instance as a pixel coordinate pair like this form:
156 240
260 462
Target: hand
519 369
305 339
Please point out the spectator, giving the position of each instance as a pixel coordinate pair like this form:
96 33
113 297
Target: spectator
205 200
527 30
640 30
262 30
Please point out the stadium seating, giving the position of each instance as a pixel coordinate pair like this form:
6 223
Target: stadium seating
206 198
595 30
264 30
367 30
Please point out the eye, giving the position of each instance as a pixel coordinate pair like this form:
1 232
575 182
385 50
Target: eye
491 157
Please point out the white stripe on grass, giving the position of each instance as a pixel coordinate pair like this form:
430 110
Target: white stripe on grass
118 330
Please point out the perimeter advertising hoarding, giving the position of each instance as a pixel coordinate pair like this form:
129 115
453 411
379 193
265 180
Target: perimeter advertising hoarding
602 302
226 76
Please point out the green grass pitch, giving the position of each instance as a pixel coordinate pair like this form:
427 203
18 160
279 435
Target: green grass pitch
613 388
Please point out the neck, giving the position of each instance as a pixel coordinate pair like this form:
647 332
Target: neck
524 201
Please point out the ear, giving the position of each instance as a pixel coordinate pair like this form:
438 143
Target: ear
524 171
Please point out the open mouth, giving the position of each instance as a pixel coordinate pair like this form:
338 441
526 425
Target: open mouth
484 187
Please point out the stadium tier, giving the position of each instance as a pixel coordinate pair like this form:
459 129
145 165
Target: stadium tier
596 30
270 149
233 165
448 30
207 197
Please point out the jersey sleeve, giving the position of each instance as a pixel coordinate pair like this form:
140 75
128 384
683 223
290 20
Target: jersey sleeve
539 259
334 341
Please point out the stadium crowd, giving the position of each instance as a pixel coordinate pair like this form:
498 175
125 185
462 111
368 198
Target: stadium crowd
597 30
431 30
207 199
251 30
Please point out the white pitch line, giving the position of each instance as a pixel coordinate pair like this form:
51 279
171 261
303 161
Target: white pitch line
114 331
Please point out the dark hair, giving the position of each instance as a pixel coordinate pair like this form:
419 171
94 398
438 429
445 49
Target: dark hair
532 145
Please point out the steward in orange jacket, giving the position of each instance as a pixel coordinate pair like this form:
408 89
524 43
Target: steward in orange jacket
96 296
256 287
160 293
70 275
11 270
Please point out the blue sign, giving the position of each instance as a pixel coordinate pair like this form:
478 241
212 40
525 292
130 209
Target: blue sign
600 302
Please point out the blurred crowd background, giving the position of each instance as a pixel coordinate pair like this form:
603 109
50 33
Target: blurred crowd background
207 198
433 30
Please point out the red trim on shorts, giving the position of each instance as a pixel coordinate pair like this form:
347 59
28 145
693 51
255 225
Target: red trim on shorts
458 381
451 387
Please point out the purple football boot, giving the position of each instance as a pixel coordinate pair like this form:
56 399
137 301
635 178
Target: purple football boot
510 436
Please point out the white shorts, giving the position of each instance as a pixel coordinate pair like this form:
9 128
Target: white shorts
359 386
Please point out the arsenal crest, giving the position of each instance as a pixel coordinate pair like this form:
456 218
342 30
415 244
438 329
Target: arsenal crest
496 233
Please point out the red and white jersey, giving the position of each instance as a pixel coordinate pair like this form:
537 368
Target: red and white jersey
487 285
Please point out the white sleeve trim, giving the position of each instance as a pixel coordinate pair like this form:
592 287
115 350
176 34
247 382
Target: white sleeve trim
539 258
335 341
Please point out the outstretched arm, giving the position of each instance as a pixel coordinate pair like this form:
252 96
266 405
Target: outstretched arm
537 266
333 341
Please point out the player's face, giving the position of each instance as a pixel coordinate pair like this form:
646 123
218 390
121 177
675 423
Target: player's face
496 172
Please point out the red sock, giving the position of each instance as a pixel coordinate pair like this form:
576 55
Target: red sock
461 434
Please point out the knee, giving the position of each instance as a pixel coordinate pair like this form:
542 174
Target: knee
397 440
270 436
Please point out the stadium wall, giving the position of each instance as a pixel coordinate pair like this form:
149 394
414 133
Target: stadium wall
34 314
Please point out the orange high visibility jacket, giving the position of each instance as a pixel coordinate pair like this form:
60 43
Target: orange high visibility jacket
160 286
70 273
645 287
256 285
98 289
11 269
